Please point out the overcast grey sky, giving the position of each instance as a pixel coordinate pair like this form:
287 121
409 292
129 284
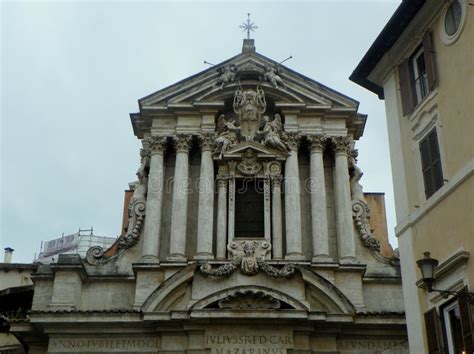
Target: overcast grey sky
73 71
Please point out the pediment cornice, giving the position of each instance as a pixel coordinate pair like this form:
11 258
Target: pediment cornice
203 89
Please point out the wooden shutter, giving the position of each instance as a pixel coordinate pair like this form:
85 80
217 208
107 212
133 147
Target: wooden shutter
407 89
467 322
430 62
431 163
433 332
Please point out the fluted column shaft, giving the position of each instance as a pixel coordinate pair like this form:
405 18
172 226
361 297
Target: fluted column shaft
180 199
277 236
345 231
294 244
317 187
154 201
221 240
206 200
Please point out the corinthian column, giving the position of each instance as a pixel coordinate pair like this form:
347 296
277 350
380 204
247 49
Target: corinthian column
317 188
154 201
206 200
294 244
345 232
179 208
221 240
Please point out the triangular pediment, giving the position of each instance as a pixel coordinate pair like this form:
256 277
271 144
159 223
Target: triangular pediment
205 89
259 150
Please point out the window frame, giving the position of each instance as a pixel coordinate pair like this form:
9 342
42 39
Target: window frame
410 98
446 323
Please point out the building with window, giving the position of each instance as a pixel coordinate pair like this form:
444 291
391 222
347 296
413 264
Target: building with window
246 232
422 65
76 243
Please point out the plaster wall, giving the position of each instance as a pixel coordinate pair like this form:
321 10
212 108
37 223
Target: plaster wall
14 277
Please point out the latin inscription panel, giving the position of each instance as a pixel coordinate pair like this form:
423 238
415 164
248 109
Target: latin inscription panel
360 346
103 345
240 340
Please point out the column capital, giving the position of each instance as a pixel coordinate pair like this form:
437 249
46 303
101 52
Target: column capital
276 180
182 142
342 144
221 181
317 143
293 140
207 141
154 145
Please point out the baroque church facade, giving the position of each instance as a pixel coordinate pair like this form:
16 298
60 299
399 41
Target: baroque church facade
247 231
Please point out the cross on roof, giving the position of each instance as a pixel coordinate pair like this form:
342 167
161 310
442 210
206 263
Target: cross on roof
248 26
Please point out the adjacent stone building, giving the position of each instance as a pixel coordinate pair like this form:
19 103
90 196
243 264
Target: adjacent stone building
247 231
422 65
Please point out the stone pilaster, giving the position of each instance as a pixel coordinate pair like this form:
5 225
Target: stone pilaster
317 188
345 231
277 236
154 202
206 199
221 240
294 244
179 208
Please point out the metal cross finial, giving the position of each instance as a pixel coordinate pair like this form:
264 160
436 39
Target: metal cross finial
248 26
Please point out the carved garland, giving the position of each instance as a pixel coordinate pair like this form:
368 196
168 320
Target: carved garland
249 256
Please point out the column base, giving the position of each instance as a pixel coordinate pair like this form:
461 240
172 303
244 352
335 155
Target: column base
203 256
176 258
295 256
348 260
149 259
322 258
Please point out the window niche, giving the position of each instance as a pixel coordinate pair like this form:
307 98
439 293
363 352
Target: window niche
249 208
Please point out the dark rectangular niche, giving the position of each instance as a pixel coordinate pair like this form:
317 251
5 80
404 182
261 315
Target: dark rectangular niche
249 208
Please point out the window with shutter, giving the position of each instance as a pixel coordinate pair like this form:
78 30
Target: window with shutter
417 75
431 163
433 332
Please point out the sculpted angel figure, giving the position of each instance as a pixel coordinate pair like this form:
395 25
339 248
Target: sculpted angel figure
229 134
356 187
271 130
271 75
141 188
226 75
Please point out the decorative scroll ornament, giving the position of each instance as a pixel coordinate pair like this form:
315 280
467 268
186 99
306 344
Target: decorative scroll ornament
249 256
249 300
136 213
249 165
360 208
226 75
229 134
